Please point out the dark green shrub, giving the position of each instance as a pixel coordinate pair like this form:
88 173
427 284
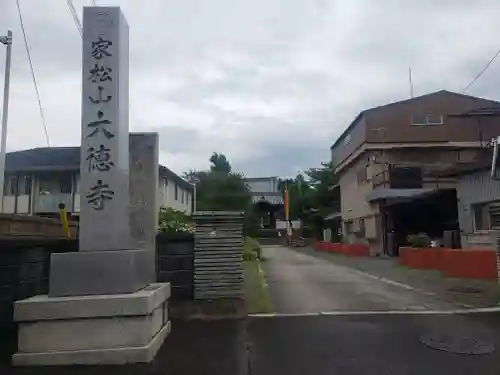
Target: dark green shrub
419 240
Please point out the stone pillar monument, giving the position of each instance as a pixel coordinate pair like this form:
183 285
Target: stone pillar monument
103 306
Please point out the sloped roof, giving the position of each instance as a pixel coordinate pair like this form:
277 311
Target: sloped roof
45 159
487 103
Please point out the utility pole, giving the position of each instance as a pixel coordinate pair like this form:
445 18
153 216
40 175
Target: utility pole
7 41
194 182
194 197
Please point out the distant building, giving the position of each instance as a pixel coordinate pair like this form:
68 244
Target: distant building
268 198
37 180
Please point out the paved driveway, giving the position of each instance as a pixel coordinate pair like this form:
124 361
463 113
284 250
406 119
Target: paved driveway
300 283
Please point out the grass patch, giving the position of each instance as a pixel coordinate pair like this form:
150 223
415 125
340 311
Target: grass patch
256 296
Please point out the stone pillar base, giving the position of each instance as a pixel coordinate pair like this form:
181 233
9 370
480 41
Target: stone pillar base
92 330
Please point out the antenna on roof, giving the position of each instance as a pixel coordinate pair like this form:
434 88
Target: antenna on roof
411 82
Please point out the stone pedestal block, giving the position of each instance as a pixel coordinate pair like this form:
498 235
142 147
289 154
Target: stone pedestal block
91 330
99 272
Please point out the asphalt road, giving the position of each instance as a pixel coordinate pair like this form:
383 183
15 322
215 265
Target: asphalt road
355 344
374 344
300 283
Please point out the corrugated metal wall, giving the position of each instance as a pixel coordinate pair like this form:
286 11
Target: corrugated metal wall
218 271
472 189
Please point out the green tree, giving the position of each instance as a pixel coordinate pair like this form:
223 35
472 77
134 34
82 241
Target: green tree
219 188
298 192
191 176
219 163
321 195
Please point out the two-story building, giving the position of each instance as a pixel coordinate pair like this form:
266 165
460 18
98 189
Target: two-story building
390 162
37 180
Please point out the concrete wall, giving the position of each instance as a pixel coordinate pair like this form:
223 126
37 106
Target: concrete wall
353 194
354 205
480 240
32 225
24 270
175 263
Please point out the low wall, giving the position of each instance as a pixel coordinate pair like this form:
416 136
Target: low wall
480 240
475 264
11 224
24 271
353 250
175 263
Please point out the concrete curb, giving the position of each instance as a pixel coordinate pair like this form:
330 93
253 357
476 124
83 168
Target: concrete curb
391 312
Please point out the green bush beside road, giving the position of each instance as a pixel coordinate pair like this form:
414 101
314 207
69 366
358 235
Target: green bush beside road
251 245
256 296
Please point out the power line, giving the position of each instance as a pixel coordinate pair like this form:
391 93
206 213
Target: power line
481 72
72 10
35 84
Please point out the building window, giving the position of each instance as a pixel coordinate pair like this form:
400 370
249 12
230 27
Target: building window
182 196
55 185
347 139
25 183
405 177
481 216
176 192
362 175
349 227
429 119
65 184
362 228
10 186
77 183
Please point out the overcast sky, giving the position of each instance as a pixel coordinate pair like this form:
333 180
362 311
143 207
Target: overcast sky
269 83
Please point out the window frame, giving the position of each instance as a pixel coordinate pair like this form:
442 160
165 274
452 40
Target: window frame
485 206
10 186
363 173
25 184
427 122
347 139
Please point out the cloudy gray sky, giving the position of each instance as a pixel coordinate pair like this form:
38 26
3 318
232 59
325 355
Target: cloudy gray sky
270 83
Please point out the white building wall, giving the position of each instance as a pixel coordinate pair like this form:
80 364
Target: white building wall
8 204
168 198
261 185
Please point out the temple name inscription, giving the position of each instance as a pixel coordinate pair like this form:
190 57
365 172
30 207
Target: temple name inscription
99 157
